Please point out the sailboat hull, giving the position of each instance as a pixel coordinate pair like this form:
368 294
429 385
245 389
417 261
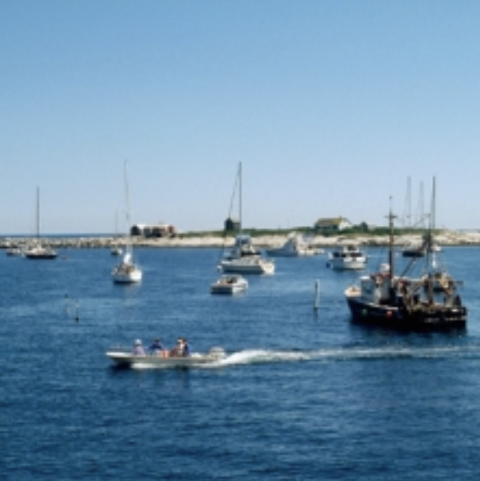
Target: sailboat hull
47 256
127 277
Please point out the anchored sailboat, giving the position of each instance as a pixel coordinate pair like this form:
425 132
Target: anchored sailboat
243 258
39 251
127 271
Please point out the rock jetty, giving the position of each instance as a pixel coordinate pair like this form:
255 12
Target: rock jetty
445 238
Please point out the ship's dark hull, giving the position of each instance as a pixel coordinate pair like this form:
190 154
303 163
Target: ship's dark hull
421 318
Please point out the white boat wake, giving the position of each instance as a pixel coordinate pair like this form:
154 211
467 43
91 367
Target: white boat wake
265 356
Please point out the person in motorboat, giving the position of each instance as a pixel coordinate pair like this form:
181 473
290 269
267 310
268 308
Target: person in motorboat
181 349
156 348
138 348
186 348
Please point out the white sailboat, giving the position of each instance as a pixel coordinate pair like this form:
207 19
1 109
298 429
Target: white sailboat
244 259
39 251
127 271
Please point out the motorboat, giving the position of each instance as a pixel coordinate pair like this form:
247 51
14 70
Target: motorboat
125 358
127 272
15 251
229 284
347 257
248 265
116 251
296 245
414 250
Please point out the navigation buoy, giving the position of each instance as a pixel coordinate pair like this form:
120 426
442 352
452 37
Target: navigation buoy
66 304
316 299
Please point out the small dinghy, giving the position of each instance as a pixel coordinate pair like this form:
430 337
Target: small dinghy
125 358
229 284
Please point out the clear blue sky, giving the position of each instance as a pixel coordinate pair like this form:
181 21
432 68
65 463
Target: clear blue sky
329 105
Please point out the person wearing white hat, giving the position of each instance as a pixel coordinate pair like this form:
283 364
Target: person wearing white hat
138 348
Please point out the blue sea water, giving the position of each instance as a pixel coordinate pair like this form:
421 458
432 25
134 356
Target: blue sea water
302 395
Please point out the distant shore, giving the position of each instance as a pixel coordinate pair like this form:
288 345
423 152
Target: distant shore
445 238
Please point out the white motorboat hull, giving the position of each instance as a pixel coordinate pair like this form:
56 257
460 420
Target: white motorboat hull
127 359
280 252
348 264
248 266
229 285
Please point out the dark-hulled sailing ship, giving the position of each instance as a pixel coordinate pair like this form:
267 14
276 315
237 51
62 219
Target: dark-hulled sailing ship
427 302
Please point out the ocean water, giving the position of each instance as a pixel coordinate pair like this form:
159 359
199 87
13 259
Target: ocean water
302 395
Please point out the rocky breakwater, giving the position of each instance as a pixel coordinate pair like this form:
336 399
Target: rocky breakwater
444 238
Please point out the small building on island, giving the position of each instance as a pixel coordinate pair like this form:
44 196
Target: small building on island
332 224
154 230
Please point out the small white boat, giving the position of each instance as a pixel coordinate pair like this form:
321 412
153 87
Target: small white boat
127 271
295 246
414 250
347 257
229 284
125 358
14 251
116 251
40 252
248 265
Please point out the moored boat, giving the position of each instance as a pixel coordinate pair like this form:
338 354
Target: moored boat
414 250
37 250
347 257
244 258
229 284
295 246
127 271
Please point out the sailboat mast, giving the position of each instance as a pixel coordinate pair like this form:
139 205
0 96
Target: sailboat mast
127 200
38 213
240 194
391 257
432 208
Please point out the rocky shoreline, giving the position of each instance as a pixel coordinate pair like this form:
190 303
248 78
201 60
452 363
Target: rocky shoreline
446 238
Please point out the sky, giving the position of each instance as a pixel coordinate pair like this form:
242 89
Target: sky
330 106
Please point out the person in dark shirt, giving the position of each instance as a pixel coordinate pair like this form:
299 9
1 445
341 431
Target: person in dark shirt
156 347
186 348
